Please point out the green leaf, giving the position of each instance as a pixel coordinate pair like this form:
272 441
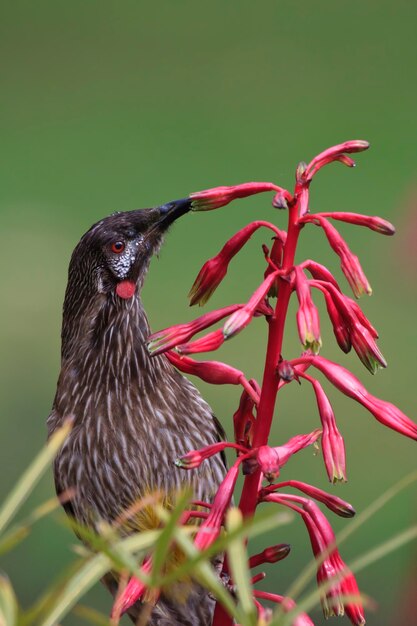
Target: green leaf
32 475
8 603
203 572
238 560
91 615
165 539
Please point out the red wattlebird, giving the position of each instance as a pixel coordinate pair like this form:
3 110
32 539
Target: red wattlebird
132 414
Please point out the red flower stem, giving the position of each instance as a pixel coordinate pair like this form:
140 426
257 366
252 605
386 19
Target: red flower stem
269 390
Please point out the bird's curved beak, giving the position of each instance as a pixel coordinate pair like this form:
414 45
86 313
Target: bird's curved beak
173 210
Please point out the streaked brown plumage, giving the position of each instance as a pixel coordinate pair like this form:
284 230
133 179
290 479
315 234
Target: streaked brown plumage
133 415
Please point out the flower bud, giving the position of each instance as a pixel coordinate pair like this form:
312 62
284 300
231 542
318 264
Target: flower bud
335 153
194 458
373 222
213 372
335 504
208 343
216 197
347 383
180 333
273 554
349 262
134 591
210 528
307 315
241 318
215 269
295 444
269 462
285 371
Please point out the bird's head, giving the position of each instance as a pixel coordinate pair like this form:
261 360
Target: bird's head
109 263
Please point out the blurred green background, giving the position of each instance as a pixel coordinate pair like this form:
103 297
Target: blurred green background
117 105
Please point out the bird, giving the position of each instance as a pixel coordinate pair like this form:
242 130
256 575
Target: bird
132 414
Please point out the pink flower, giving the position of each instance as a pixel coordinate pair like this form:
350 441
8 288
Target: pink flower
350 264
273 554
302 619
270 460
210 528
373 222
216 197
320 272
207 343
332 441
340 329
307 315
241 318
335 153
335 504
180 333
215 269
194 458
134 591
213 372
347 383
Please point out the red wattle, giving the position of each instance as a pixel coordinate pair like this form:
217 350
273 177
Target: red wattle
126 289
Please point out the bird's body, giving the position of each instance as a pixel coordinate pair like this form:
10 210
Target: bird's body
132 414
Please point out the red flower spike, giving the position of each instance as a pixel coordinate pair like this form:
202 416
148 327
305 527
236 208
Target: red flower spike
180 333
210 528
347 383
210 342
217 197
134 591
288 604
194 458
213 372
215 269
350 264
375 223
240 319
273 554
307 315
335 153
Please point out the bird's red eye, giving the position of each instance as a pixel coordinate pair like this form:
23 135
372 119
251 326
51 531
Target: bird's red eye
117 247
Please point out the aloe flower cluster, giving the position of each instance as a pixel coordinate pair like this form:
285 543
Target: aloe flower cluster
261 461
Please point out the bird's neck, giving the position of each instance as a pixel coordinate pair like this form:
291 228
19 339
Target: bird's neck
104 358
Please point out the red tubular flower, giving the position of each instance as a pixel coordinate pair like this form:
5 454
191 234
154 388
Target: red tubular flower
350 264
214 270
273 554
213 372
335 504
270 460
379 225
348 329
244 419
216 197
210 528
320 272
318 525
180 333
307 315
208 343
332 441
241 318
134 591
194 458
288 604
335 153
347 383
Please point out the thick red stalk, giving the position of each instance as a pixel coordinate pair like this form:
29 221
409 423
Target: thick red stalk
269 389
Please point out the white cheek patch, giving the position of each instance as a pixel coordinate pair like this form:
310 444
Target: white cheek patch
122 263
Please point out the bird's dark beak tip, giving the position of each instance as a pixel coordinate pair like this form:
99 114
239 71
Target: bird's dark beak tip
175 209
